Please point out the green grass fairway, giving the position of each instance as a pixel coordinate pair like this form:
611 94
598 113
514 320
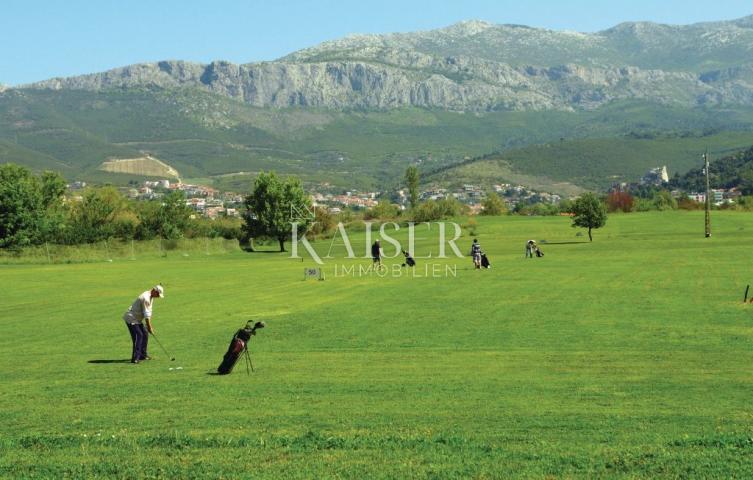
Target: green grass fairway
628 357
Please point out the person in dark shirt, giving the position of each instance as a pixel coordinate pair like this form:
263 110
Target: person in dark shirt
376 253
476 253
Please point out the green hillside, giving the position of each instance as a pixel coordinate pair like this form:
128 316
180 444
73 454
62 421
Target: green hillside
592 163
206 135
732 171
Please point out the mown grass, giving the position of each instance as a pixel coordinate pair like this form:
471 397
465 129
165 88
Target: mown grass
623 358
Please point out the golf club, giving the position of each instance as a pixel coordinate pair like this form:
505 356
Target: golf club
172 359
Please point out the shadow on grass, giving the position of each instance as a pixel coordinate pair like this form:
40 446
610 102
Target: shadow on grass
256 250
561 243
127 360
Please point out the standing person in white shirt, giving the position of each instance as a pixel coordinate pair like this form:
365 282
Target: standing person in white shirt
140 311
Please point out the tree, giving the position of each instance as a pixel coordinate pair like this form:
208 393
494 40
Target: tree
273 206
432 210
31 208
21 206
662 200
97 216
493 205
53 187
619 201
412 180
324 223
589 213
382 210
53 190
566 205
167 218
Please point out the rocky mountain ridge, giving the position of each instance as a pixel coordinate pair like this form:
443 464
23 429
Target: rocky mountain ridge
476 66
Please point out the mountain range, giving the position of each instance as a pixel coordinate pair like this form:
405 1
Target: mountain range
359 109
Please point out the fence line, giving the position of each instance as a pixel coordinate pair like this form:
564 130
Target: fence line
119 250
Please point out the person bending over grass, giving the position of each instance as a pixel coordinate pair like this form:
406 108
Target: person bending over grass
530 248
138 313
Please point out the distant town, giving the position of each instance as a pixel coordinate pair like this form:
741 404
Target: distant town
212 203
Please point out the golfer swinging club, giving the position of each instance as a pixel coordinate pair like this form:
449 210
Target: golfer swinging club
141 310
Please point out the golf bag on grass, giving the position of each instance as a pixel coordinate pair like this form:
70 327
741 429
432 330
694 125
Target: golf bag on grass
239 346
408 260
485 261
539 253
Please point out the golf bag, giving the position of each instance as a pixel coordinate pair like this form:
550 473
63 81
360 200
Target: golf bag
408 260
238 346
485 261
539 253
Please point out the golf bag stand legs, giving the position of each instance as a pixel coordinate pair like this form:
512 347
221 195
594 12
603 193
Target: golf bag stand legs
247 354
239 346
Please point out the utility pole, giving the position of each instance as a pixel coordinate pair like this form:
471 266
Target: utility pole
708 196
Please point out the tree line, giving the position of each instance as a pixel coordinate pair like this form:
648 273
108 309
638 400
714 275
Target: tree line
34 209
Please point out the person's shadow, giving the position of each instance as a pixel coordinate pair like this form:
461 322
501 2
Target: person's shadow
127 360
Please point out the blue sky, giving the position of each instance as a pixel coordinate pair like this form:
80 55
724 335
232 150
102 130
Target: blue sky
44 39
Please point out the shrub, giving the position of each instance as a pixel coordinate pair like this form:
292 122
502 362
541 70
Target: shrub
618 201
382 210
493 205
434 210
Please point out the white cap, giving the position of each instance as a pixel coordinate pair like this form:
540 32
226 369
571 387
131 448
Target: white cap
161 291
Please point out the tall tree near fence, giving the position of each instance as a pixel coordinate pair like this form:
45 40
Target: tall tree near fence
273 206
412 180
27 204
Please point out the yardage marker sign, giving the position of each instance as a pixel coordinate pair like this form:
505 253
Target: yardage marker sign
315 273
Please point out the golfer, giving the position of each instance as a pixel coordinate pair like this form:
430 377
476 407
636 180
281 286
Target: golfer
376 253
140 311
530 248
476 253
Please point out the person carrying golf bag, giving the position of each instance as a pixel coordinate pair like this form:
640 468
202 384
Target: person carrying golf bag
238 346
476 253
138 312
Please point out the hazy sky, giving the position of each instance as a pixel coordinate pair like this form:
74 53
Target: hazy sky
43 39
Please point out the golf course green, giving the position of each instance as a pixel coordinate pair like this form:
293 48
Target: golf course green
627 357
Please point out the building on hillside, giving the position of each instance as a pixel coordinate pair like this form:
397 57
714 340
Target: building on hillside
733 194
213 212
655 176
198 204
